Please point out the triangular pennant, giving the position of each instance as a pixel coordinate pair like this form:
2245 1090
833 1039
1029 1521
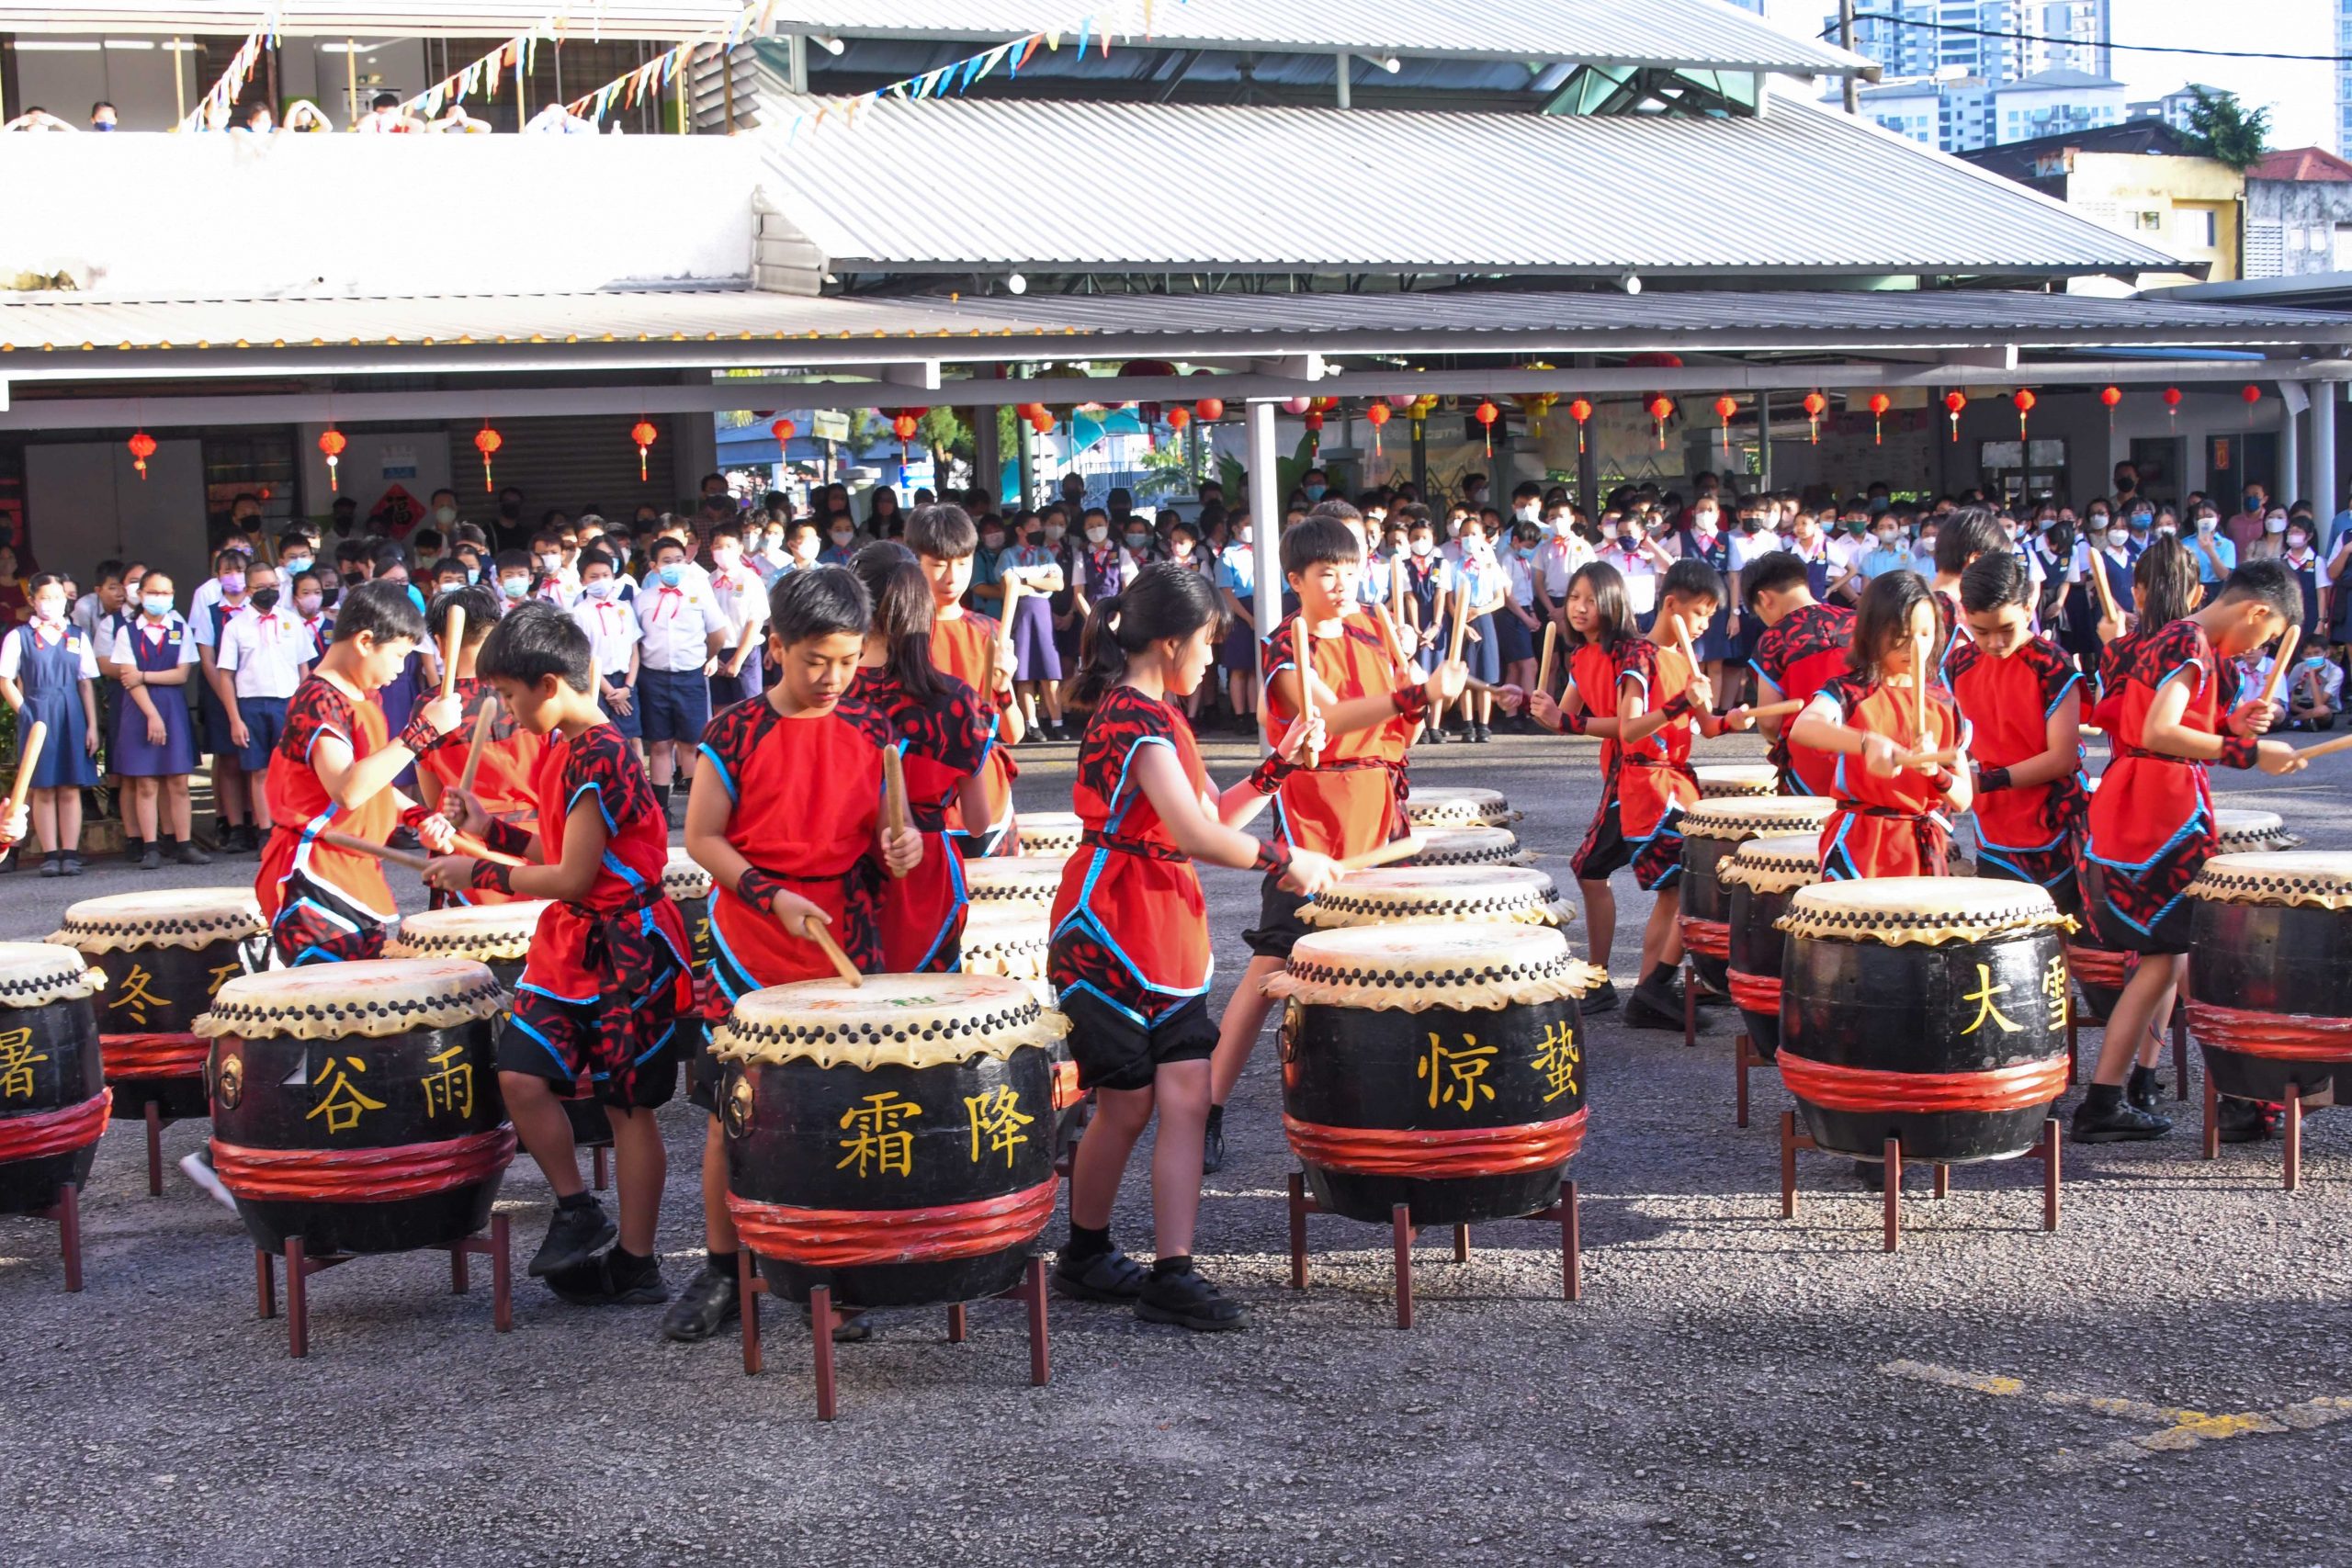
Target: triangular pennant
1085 32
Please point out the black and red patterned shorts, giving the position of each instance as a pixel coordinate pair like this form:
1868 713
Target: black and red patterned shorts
316 924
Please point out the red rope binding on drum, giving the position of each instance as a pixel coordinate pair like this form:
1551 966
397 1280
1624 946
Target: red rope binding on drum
1065 1091
2282 1036
1707 939
1867 1088
846 1238
362 1175
36 1133
2101 966
1754 993
1473 1151
153 1055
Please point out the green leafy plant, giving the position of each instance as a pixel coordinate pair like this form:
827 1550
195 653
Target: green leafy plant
1289 472
2220 127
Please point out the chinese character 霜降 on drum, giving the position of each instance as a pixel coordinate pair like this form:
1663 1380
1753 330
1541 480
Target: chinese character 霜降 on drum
1928 1009
1712 831
165 954
892 1140
1718 780
2099 972
1049 835
1438 895
52 1089
1447 805
2270 972
1014 943
1437 1066
1014 882
356 1105
1758 882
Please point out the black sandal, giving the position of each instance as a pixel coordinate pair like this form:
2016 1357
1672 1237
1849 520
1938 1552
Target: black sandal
1188 1298
1110 1276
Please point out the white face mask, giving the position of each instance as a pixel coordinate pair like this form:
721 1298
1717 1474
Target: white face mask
841 536
2274 524
1422 547
1528 512
2207 525
1096 535
445 515
2118 537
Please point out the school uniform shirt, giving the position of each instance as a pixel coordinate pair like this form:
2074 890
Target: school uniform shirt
1237 570
2223 548
267 653
561 589
612 629
1640 573
1890 826
674 624
1558 560
321 629
742 599
97 624
1795 658
12 649
1353 799
943 740
210 616
2028 832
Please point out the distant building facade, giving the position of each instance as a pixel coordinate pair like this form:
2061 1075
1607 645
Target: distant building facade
2298 214
2139 178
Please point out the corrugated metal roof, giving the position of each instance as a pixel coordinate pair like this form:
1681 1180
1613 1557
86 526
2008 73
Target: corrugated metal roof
1704 34
1796 190
401 18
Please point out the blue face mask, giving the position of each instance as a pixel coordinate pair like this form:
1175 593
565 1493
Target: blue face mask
672 575
513 587
294 566
473 575
156 604
1314 493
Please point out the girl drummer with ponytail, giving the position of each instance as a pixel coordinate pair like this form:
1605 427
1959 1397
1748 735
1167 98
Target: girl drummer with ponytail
1901 749
1130 955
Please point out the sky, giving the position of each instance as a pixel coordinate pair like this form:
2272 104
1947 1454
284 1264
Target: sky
2299 94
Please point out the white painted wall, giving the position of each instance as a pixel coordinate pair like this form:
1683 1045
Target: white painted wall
234 217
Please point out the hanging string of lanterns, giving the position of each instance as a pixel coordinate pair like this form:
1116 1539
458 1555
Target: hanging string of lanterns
1954 402
1662 409
643 433
1378 414
2110 396
2253 395
2172 403
487 442
330 446
1816 405
2024 400
784 430
1725 407
142 447
1485 414
1580 410
1880 404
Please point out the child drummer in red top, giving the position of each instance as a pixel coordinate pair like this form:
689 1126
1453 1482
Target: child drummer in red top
608 980
2021 699
1801 647
944 739
1345 799
1897 784
1601 621
333 771
787 819
2152 819
974 649
506 780
1130 955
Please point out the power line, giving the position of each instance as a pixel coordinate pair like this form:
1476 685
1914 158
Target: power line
2086 43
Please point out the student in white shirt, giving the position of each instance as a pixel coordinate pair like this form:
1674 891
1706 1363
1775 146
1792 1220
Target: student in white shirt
613 637
265 651
680 632
743 598
1639 561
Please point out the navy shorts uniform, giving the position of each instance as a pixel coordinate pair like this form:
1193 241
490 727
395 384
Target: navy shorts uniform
1279 927
1114 1051
542 1039
630 723
672 704
264 723
1605 850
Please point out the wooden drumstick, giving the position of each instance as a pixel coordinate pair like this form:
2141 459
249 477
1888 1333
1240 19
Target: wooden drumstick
452 639
1397 590
482 721
1303 655
1396 849
373 850
1783 709
1461 628
1926 762
28 759
1919 645
1396 632
467 844
894 795
816 931
2326 748
2278 666
1551 647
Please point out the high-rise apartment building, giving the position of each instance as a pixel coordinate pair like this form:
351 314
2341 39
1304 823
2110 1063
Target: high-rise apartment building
1999 70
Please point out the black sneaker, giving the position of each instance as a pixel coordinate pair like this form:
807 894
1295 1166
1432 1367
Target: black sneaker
190 855
2240 1121
1213 1150
1655 1005
574 1237
1480 734
1435 735
1183 1296
1600 999
850 1326
1110 1276
607 1279
71 867
1870 1173
2143 1088
150 858
2121 1123
710 1301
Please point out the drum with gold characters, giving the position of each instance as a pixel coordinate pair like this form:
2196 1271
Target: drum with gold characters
1012 882
2270 972
1469 846
1439 895
1712 831
1719 780
356 1105
1452 806
1928 1009
1437 1066
1051 835
1757 882
2099 972
54 1095
893 1139
164 954
1014 943
686 884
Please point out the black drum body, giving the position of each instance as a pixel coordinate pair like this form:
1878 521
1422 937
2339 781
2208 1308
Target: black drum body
591 1128
359 1092
702 1072
1755 948
163 991
2270 958
870 1142
54 1065
1963 1007
1390 1073
1705 898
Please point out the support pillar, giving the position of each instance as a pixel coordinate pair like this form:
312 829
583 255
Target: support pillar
2290 446
1265 518
2325 498
987 461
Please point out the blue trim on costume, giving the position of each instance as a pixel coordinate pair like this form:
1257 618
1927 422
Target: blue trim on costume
1983 844
1121 802
2196 818
588 1000
601 810
724 776
658 1044
2074 678
570 1071
2017 872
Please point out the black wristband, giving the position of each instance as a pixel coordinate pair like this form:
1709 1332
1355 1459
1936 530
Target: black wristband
1411 702
493 876
1268 776
758 888
2240 751
418 735
1274 858
1991 779
1677 707
412 816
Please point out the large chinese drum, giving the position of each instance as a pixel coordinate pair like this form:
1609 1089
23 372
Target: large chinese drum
1718 780
2270 972
1049 835
1468 846
1712 831
356 1105
1928 1009
2100 971
1758 882
1447 805
891 1140
1014 943
164 954
53 1088
685 884
1012 882
1439 895
1437 1066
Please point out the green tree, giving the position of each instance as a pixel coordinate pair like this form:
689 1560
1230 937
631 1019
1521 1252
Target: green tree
2220 127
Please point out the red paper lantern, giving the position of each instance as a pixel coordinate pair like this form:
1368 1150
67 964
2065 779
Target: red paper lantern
487 441
1579 411
331 445
1485 414
1816 405
1880 404
142 447
2172 403
1662 409
1297 405
2024 400
1954 404
1725 408
2253 395
1041 423
1209 410
1379 415
1314 423
644 434
2110 396
784 430
1324 405
1178 418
